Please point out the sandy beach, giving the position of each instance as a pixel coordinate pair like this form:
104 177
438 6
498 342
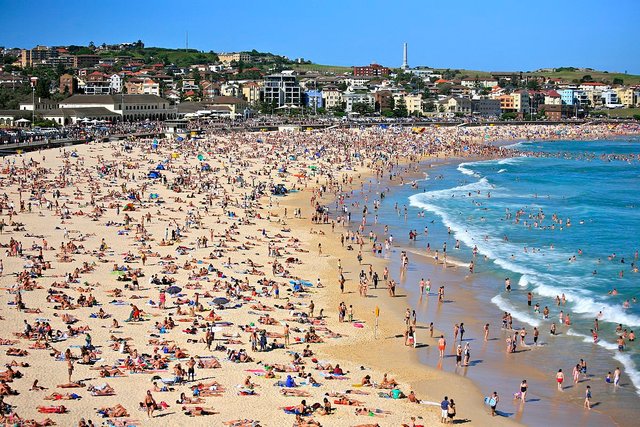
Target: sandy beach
170 283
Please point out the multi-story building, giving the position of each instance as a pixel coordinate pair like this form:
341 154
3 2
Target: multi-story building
413 103
521 102
68 84
506 103
115 82
85 61
479 82
486 107
251 92
228 58
64 60
10 81
97 83
313 99
552 97
371 70
610 98
231 89
351 98
131 107
455 105
281 89
567 96
331 96
627 96
384 100
37 55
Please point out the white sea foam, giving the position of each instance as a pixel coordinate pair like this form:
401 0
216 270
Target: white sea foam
510 161
627 362
502 170
505 305
583 302
516 145
463 169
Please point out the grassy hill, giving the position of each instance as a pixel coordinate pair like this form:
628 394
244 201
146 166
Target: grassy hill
180 57
322 69
599 76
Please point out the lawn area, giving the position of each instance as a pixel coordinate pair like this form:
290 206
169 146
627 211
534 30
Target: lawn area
624 113
323 69
628 79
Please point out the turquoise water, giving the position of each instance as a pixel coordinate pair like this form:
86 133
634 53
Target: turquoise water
587 184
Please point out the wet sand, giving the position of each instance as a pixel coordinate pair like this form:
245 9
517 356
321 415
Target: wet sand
468 301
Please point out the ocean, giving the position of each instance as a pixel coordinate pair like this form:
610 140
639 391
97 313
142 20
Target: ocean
562 220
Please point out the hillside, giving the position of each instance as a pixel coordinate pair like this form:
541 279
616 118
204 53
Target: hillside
599 76
179 57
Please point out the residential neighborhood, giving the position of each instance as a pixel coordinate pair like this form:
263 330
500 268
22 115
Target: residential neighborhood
64 84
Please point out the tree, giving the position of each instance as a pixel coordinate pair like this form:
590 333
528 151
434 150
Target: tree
509 116
342 86
445 89
338 108
429 106
362 108
586 78
401 108
618 81
533 84
42 88
196 77
9 59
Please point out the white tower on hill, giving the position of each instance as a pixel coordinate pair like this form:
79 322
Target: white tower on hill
405 63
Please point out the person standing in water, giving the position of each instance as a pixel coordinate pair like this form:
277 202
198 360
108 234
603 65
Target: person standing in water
560 379
587 397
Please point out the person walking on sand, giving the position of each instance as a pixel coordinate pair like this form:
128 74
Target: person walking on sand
150 404
191 370
587 397
523 390
70 368
560 379
442 345
286 335
493 403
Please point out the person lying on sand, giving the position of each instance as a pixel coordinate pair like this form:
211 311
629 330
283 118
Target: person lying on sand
113 411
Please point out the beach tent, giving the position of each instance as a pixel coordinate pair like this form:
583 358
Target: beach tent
175 155
160 167
154 175
200 157
220 301
180 139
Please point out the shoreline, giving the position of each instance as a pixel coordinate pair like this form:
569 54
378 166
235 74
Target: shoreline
387 353
468 294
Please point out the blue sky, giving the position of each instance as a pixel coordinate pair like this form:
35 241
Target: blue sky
493 35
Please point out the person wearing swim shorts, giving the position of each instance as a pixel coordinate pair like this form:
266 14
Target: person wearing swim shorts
560 379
